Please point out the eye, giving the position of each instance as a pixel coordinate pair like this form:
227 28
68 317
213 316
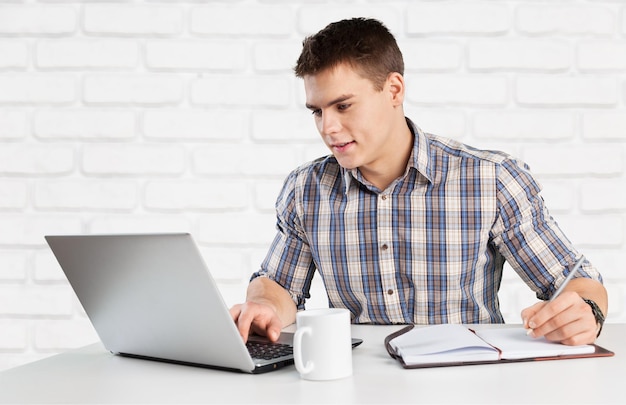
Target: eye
317 112
343 107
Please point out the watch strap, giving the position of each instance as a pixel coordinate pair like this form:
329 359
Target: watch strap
597 313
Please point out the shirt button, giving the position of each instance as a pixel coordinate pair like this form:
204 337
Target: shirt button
384 197
390 291
385 247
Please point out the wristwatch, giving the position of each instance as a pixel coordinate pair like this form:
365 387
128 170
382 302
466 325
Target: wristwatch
597 312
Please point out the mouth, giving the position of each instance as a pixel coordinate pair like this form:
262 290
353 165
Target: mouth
342 146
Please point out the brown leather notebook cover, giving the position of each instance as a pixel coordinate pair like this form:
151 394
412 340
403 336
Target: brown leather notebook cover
599 352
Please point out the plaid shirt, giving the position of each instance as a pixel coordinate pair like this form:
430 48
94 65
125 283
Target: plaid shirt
430 248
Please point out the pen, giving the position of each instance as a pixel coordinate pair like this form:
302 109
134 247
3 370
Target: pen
559 290
568 278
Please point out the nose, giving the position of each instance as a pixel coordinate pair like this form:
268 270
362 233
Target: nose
329 123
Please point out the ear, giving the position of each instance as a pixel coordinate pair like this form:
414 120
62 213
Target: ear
395 85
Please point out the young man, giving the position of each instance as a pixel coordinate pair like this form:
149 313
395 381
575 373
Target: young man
403 226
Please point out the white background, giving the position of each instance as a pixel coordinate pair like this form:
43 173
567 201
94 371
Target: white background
148 116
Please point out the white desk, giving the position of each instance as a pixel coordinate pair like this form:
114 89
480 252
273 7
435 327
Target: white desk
92 375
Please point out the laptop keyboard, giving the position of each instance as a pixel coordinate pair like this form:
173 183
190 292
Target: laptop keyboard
268 350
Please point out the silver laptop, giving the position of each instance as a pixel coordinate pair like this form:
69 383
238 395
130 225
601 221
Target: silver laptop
152 297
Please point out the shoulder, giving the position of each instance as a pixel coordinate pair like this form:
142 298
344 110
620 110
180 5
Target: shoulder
441 146
323 170
311 176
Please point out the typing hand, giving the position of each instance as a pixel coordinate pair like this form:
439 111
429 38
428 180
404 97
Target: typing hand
257 318
566 319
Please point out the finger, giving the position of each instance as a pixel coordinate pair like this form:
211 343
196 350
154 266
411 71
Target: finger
244 322
273 329
559 319
235 310
529 312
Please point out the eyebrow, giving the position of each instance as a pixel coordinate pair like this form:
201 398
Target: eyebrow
339 99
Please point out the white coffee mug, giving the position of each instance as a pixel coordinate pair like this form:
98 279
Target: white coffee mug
323 344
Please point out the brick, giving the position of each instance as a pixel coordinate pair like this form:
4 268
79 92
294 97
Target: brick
315 17
236 229
37 88
522 125
13 124
151 89
241 20
35 159
265 195
136 159
294 126
457 90
226 264
564 19
578 160
604 125
13 194
566 91
197 195
14 336
583 230
26 19
609 261
247 160
276 56
560 196
75 123
93 194
133 223
46 268
13 55
196 55
257 255
534 54
30 229
422 55
86 54
457 18
241 91
602 195
42 300
129 19
601 55
63 334
195 124
13 266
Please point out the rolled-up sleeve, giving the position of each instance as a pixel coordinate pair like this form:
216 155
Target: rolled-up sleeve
527 235
289 261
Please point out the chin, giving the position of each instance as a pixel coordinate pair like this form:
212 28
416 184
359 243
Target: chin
346 165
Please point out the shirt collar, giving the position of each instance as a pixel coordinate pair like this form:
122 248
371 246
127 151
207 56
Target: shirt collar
418 160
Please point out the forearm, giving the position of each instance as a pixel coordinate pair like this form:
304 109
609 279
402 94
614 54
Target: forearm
263 290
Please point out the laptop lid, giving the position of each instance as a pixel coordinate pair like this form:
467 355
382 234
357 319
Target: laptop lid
152 296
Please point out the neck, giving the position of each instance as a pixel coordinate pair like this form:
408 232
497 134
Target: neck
393 166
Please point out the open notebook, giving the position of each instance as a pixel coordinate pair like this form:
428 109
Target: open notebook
453 344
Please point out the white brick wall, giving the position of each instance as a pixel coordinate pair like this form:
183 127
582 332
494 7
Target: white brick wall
185 116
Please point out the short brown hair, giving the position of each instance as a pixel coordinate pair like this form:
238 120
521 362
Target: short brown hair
366 44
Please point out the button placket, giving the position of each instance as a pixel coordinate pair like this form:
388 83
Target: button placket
387 268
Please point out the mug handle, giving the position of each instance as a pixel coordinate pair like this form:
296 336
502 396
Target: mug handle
297 351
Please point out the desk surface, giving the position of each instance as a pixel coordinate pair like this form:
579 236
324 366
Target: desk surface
92 375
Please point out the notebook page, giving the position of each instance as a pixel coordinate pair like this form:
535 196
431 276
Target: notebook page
515 344
447 343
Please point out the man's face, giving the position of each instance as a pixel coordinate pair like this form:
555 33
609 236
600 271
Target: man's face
355 120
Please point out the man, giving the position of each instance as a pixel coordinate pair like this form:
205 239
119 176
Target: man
403 226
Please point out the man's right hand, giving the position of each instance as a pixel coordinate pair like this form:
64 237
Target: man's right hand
252 317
